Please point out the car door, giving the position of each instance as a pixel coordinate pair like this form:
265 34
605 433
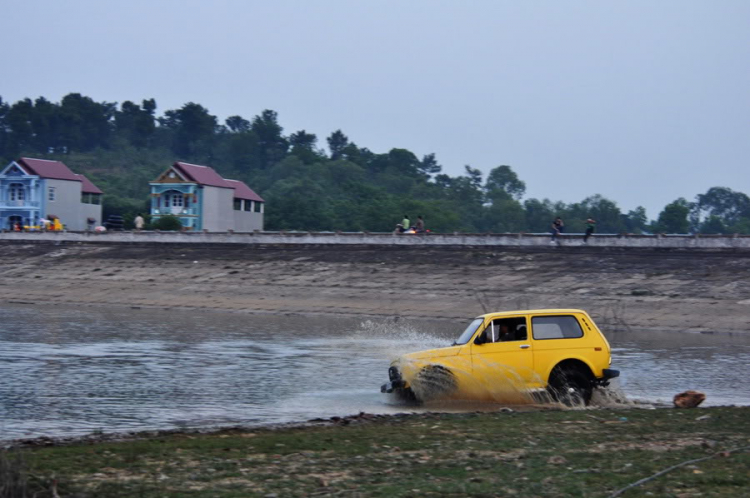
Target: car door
504 361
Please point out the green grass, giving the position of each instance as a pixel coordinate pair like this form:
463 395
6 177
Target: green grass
529 453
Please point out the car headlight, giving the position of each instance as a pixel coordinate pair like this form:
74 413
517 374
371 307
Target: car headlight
393 374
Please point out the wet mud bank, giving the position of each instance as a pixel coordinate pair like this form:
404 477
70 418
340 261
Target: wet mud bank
118 437
685 290
485 409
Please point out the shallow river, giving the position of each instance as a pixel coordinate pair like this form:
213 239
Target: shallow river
67 372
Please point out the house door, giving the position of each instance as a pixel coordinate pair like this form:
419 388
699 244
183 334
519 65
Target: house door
12 220
174 201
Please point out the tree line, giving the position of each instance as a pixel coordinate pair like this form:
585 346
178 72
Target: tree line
309 185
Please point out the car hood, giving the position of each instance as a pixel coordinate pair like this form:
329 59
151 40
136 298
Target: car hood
433 353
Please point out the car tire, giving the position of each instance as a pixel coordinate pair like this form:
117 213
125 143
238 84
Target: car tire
434 382
406 396
570 387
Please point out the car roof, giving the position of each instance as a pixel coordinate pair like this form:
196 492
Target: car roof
547 311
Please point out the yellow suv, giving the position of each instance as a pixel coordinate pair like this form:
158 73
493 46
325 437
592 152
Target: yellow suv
511 356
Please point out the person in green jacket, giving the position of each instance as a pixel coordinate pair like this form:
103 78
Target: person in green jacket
590 227
405 224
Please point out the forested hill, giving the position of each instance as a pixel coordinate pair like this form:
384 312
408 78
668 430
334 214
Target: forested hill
312 184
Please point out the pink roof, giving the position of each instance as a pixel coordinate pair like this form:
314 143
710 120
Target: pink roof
48 169
88 187
242 191
202 175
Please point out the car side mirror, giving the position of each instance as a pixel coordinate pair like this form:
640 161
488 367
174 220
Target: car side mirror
479 340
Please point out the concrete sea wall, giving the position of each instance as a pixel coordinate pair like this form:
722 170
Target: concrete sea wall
388 239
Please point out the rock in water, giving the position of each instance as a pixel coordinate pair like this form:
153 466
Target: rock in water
689 399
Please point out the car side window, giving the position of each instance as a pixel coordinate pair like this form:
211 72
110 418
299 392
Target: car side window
492 333
521 334
555 327
505 330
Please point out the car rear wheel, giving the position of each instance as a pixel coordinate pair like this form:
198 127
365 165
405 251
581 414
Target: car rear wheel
570 387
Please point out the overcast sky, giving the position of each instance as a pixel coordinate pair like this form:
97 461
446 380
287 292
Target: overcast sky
639 101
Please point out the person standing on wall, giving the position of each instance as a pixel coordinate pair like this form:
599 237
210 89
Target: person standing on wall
590 228
138 222
557 228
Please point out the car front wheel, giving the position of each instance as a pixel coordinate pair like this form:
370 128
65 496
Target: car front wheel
434 382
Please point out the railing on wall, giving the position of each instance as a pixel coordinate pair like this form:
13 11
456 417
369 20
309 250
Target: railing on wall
176 211
19 204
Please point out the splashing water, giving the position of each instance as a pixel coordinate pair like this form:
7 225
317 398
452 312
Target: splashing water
393 339
463 378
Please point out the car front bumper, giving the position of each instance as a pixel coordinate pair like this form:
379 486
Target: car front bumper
391 386
397 382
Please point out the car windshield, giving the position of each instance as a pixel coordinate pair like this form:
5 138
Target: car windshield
469 332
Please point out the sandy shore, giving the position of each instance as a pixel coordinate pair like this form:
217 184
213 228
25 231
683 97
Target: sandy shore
676 290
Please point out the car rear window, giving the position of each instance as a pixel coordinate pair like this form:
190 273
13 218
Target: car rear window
555 327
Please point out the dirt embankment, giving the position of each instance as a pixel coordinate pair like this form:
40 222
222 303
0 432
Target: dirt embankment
680 290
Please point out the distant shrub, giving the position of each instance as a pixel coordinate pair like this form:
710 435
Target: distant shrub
168 222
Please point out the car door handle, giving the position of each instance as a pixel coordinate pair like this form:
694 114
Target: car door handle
524 346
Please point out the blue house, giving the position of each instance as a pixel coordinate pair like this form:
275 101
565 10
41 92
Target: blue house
35 189
203 200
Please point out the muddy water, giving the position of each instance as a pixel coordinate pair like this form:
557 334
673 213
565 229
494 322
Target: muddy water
70 372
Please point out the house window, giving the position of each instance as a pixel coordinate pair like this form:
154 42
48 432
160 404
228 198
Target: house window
238 204
175 199
51 193
258 207
248 205
16 192
91 198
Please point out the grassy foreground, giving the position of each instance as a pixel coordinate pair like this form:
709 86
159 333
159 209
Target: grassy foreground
506 453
